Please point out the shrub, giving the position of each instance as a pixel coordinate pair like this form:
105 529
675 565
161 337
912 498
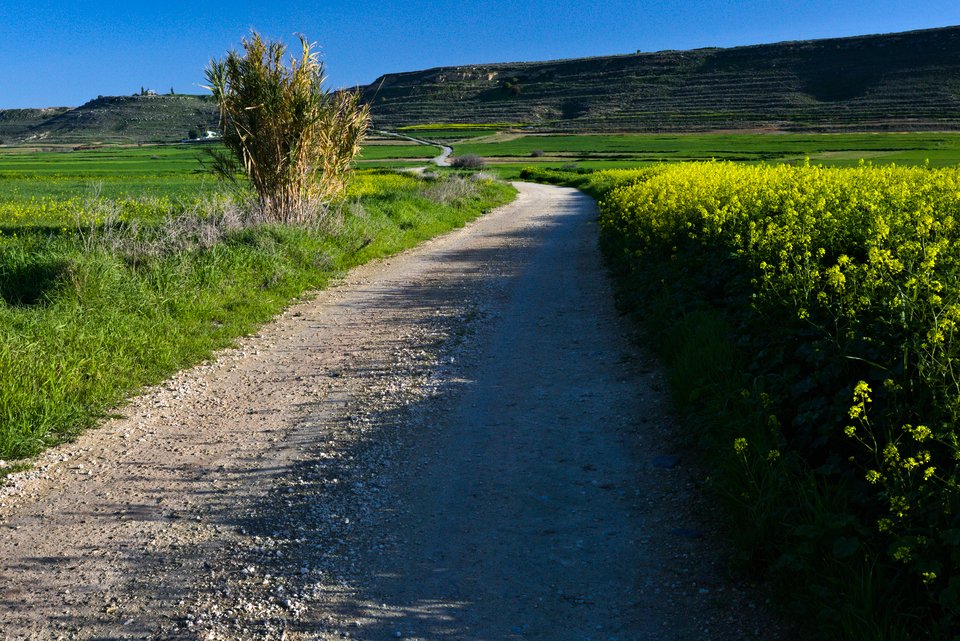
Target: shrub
447 190
470 161
292 138
536 153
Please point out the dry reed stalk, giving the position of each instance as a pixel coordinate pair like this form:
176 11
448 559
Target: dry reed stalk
292 138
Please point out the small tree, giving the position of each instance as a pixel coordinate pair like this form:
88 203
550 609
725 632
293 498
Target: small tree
292 138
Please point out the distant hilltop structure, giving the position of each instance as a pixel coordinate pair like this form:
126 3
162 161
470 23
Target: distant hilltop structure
195 135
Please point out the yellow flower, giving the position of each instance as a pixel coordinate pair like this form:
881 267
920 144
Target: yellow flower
891 454
740 445
921 433
902 553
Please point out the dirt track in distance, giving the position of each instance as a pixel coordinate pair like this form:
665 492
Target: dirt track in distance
454 443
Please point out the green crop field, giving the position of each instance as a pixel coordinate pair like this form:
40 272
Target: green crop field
119 266
383 151
605 151
44 187
31 183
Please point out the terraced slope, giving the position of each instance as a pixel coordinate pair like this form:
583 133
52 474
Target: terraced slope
116 119
907 80
13 122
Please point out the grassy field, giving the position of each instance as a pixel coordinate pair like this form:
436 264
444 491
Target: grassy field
117 269
379 147
607 151
454 132
175 172
411 151
32 183
511 148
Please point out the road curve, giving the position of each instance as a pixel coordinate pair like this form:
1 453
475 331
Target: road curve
445 152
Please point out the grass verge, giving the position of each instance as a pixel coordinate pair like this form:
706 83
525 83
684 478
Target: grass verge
92 311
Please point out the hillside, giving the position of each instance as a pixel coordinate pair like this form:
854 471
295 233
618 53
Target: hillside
901 81
110 119
13 122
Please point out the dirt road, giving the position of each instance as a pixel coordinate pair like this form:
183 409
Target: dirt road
456 443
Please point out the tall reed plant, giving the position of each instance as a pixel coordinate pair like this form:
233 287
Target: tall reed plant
292 138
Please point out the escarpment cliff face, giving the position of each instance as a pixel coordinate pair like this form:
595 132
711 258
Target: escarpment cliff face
895 81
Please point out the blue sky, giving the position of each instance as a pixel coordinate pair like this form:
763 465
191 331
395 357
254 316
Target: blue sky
64 54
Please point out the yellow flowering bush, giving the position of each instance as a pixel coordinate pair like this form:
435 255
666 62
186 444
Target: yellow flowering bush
844 289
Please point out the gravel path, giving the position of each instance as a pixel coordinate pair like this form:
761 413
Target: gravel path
455 443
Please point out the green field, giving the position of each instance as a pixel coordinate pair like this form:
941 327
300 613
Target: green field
176 172
605 151
506 149
44 187
118 268
385 151
30 180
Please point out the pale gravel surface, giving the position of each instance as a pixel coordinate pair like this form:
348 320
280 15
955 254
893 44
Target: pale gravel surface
454 443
